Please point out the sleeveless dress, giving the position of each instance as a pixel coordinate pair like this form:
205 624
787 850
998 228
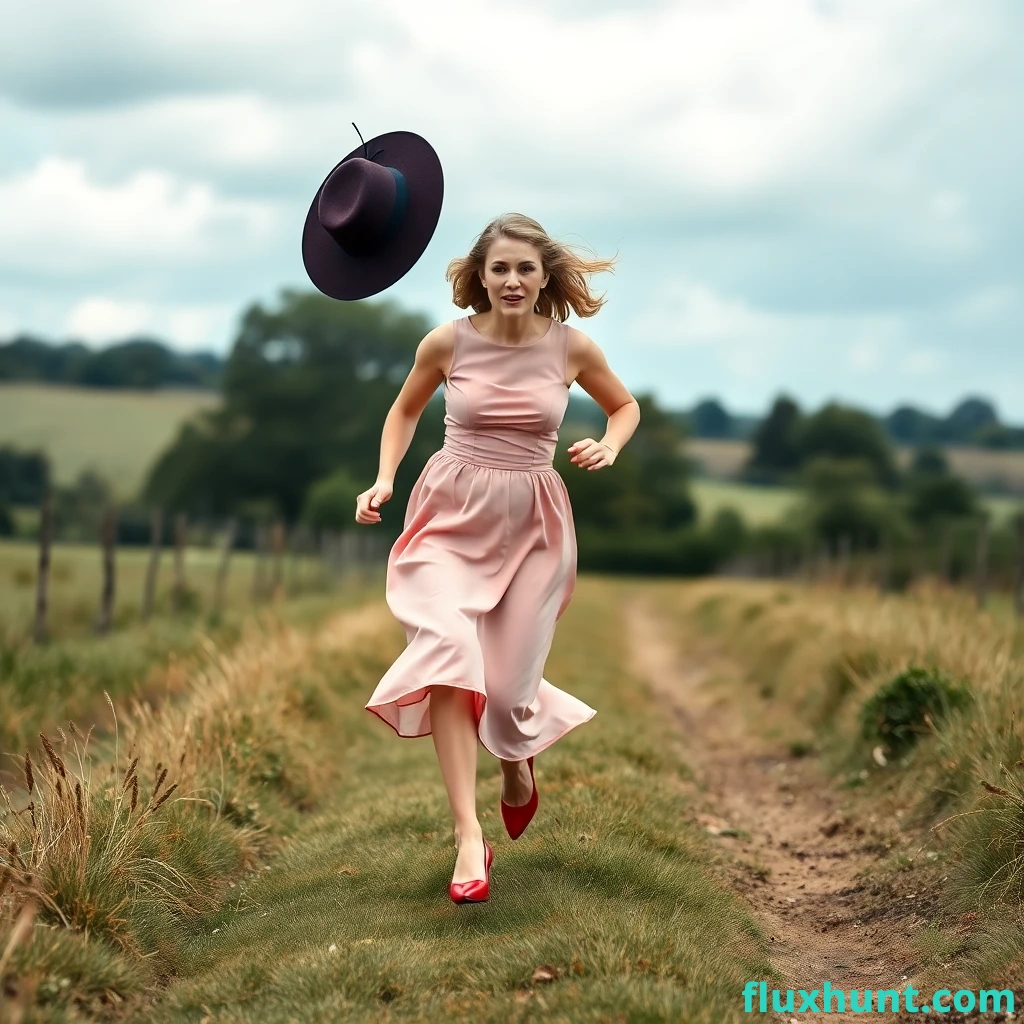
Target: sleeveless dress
486 562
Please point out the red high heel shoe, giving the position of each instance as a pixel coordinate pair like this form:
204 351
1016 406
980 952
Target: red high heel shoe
517 818
476 890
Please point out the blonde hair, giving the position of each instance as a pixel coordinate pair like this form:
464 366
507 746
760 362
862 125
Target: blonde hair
566 285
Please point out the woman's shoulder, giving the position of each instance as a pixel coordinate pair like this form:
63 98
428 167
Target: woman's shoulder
438 344
579 343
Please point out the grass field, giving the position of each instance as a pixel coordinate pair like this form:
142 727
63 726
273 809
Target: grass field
761 505
317 849
75 583
122 432
304 859
66 677
118 432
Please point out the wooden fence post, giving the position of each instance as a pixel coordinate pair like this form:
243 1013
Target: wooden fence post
981 564
222 569
39 631
108 535
277 580
180 540
258 584
156 527
296 549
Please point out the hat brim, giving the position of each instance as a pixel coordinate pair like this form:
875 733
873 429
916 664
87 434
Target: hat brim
342 276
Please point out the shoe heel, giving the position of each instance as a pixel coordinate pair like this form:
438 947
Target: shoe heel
477 890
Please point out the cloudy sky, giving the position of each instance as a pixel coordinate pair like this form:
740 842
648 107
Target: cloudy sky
816 196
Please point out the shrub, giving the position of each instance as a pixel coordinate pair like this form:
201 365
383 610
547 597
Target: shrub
896 714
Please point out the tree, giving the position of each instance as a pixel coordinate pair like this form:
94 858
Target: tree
24 476
305 391
710 419
929 460
934 496
647 488
970 416
331 502
907 425
839 432
775 448
843 499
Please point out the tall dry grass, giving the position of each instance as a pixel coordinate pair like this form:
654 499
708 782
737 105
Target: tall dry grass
120 844
815 656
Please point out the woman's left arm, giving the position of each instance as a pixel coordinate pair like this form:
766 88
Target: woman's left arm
622 409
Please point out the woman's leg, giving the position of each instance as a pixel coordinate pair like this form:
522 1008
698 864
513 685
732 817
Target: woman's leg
516 783
455 739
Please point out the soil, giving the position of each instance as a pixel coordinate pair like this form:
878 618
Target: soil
803 856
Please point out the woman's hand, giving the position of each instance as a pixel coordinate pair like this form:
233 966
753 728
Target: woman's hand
591 454
370 500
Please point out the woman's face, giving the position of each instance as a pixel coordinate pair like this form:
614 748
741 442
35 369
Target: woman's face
513 268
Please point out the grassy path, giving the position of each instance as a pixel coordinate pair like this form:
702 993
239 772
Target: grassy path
867 864
607 909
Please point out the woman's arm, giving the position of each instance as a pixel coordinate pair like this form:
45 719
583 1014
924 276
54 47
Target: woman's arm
621 408
419 387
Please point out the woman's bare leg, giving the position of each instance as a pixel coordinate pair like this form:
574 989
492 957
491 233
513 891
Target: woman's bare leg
516 783
455 739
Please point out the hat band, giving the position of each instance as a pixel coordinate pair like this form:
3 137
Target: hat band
398 210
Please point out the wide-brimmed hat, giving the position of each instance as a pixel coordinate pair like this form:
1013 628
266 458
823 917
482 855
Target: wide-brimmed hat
371 219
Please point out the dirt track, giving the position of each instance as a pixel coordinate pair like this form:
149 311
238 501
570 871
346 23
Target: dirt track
824 924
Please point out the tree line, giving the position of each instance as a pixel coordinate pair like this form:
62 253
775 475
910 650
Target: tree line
972 421
296 436
148 363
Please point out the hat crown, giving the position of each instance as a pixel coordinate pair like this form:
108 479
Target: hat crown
362 204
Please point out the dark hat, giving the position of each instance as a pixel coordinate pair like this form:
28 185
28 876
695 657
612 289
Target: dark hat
371 219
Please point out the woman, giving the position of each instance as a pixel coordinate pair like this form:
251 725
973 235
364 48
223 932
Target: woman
486 562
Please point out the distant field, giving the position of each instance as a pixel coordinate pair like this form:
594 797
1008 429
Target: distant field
757 505
982 467
120 433
760 505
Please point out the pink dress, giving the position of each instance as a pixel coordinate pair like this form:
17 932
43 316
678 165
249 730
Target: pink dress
486 563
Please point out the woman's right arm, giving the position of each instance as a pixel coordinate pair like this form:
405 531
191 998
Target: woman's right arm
400 422
419 387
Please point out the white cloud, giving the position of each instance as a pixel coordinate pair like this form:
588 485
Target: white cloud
837 177
864 355
923 362
55 219
691 313
102 320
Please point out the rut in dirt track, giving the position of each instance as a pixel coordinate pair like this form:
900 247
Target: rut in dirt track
823 923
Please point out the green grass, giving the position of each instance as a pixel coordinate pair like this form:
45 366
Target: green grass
609 887
757 505
118 432
43 686
75 584
339 911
